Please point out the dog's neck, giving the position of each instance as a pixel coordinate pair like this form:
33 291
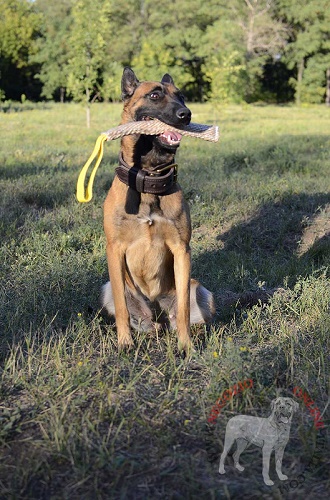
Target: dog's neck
140 152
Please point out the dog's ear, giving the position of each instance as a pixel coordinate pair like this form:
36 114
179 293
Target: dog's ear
295 406
167 79
129 83
273 403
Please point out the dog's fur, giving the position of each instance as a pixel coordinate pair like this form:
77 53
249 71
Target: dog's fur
270 434
148 235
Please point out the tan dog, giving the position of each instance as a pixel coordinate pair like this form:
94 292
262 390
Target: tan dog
147 223
270 434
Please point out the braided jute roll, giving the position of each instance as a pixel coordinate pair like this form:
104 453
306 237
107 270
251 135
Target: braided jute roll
156 127
146 127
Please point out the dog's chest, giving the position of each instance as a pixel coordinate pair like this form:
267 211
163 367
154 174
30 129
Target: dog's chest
153 228
154 219
154 222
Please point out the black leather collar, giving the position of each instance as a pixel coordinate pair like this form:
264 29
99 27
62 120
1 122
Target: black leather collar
158 181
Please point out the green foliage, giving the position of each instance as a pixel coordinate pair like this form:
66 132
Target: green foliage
151 57
87 45
214 50
309 47
111 87
53 46
314 79
18 26
226 77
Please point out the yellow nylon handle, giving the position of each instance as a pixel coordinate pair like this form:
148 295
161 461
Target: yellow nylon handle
84 195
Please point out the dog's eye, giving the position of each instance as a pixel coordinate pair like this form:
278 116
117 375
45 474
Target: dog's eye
155 95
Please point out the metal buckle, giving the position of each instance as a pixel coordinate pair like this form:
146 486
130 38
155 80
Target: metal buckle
168 167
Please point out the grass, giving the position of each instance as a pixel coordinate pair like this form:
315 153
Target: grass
77 420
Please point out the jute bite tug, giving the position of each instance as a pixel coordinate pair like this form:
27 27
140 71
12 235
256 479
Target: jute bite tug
146 218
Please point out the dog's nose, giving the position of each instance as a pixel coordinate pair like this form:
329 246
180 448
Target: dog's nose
184 114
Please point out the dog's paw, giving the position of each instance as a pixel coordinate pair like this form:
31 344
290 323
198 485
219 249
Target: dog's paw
239 467
125 343
186 351
269 482
282 477
222 470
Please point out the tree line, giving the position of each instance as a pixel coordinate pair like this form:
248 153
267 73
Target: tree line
225 51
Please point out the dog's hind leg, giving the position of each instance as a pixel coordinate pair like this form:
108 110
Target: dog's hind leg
202 306
140 314
241 445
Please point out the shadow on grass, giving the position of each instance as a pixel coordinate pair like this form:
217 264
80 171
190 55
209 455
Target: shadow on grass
30 194
282 241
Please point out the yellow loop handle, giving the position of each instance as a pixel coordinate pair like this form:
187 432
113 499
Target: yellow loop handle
84 195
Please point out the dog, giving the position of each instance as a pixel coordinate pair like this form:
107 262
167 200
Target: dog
147 223
270 434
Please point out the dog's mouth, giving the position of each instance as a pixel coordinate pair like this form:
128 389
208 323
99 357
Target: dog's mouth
284 416
168 138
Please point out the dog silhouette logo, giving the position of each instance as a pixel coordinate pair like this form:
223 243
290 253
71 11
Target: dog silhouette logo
270 434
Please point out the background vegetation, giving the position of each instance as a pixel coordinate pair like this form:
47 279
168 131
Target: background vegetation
77 420
242 50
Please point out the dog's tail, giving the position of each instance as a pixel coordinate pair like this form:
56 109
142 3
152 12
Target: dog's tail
202 307
107 299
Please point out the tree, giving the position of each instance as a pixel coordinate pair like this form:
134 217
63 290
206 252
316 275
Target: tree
171 42
244 38
308 50
53 47
19 25
87 47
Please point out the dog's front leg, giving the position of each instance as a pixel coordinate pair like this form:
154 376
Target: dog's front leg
116 264
266 452
182 285
278 463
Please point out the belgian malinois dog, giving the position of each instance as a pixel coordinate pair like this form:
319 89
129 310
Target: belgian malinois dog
147 223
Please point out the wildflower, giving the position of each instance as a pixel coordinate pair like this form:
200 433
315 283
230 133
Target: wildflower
229 339
186 422
79 315
215 354
243 349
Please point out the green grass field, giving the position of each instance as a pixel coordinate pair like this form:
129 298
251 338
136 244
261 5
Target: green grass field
79 421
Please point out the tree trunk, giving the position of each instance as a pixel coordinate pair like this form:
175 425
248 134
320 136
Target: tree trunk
62 94
327 97
301 68
88 109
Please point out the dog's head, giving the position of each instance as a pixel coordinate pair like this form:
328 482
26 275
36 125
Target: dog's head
283 409
161 100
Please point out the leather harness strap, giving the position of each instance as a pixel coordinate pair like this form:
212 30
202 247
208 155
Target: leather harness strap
145 181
